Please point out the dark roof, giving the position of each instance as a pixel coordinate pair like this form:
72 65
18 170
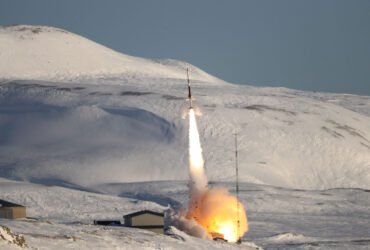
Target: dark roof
143 212
8 204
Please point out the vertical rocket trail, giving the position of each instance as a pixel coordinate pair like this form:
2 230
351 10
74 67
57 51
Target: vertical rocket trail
196 162
215 210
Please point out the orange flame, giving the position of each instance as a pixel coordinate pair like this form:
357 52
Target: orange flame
216 210
222 213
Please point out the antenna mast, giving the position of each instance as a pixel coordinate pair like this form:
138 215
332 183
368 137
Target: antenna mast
237 186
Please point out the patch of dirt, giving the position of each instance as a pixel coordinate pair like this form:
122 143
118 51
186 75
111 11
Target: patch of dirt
12 238
262 108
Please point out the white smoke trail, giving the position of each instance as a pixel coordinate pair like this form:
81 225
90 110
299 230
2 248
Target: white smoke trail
196 162
210 211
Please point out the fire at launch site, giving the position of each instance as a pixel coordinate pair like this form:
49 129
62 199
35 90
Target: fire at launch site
212 213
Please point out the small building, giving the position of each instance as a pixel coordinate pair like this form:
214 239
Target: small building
9 210
146 219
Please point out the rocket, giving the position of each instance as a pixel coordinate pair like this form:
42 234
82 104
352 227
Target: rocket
192 102
189 91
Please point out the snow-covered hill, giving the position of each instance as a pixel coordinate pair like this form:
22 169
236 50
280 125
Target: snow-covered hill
126 126
39 52
87 134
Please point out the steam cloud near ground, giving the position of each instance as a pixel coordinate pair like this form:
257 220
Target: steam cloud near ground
210 211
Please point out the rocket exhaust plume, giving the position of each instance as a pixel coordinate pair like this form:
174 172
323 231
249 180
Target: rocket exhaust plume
196 162
215 210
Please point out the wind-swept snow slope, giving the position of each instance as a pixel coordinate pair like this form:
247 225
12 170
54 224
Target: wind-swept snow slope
38 52
121 122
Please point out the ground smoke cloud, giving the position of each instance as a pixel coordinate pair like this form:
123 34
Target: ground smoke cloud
211 212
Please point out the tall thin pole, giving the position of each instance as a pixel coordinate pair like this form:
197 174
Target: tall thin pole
237 187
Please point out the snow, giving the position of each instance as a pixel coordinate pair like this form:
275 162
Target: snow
83 130
83 134
279 218
51 236
62 218
66 205
50 53
88 133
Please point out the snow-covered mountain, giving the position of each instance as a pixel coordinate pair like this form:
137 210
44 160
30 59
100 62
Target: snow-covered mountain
116 118
47 53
